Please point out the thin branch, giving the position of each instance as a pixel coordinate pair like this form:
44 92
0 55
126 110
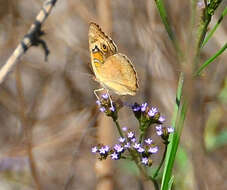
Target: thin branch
32 38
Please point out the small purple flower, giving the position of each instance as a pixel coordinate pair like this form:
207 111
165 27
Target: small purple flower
140 150
102 150
133 140
118 148
114 156
144 107
98 103
159 132
105 96
102 109
124 128
94 149
144 161
152 111
161 119
200 4
112 108
127 145
153 150
159 127
170 129
148 141
136 145
130 135
136 108
121 139
106 148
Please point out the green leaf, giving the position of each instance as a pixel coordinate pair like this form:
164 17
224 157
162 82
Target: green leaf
210 60
210 34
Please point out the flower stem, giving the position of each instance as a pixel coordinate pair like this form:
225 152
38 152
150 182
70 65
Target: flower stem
134 157
155 183
161 163
141 137
118 128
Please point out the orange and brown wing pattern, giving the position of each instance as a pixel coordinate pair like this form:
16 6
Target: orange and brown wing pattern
99 39
101 47
113 70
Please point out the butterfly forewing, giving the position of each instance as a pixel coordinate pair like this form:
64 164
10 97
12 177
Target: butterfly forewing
113 70
98 37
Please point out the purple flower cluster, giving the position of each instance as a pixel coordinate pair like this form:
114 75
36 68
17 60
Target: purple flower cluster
128 147
164 132
129 143
102 150
106 105
143 112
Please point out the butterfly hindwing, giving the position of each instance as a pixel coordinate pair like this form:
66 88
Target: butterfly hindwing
122 77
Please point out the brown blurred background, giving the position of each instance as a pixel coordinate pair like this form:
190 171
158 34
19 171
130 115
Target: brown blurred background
48 116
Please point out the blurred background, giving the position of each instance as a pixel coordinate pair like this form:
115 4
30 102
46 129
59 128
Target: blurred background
48 117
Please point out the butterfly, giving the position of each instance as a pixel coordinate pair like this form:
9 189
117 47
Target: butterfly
113 70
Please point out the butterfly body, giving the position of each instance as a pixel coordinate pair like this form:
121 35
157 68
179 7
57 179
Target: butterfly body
112 70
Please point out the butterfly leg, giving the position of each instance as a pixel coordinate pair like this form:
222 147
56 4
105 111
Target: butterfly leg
111 102
107 91
98 90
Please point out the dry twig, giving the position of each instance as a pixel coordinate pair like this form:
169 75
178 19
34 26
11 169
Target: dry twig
32 38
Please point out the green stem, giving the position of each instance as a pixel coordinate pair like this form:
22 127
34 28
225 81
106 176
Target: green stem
201 35
155 183
202 30
118 128
175 143
179 112
209 35
141 137
161 163
210 60
205 21
142 170
163 15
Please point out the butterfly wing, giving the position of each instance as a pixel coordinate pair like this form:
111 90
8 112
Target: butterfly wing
97 35
101 47
97 38
112 70
118 74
